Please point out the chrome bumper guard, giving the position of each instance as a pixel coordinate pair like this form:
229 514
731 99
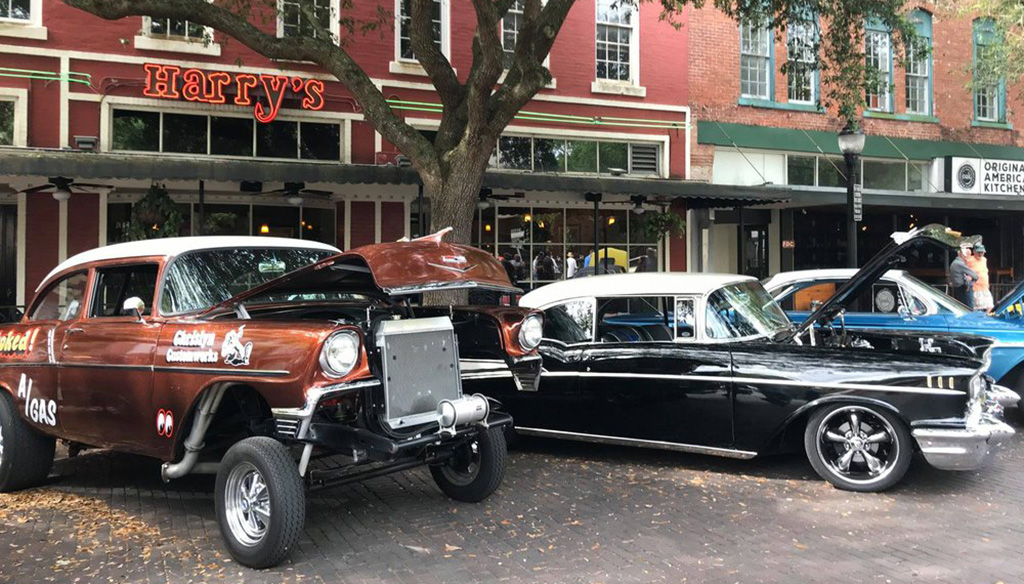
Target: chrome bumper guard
962 448
1004 396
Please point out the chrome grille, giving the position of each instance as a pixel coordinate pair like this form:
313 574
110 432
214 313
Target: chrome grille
420 362
286 428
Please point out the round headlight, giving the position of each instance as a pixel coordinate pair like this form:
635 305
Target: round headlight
340 353
530 332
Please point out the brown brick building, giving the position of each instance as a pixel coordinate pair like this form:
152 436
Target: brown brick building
755 126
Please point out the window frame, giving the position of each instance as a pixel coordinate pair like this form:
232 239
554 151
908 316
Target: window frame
94 290
981 30
19 131
923 22
634 48
399 62
38 300
592 300
769 60
811 26
872 29
31 28
334 22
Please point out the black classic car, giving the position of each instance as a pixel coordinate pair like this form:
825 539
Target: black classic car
711 364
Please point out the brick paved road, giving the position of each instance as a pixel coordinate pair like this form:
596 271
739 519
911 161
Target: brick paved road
566 513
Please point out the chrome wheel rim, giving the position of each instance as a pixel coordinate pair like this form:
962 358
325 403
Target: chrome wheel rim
857 444
464 466
247 504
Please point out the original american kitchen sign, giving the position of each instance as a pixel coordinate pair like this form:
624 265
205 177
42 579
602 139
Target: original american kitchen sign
984 176
264 92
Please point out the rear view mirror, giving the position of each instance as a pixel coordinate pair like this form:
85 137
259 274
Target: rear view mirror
134 306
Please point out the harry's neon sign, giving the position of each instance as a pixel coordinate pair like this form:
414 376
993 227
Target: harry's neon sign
172 82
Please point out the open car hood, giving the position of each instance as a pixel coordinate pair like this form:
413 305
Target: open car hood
893 256
392 269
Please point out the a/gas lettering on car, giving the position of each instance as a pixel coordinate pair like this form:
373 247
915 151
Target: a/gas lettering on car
38 409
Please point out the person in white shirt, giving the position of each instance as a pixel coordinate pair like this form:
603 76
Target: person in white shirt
570 265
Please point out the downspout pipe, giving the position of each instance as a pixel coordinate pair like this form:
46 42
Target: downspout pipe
194 443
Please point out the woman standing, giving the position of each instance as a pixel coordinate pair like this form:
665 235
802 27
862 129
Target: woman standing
979 263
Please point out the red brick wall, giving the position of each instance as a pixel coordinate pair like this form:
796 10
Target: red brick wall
42 239
715 89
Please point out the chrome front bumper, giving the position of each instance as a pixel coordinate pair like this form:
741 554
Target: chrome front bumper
963 448
1004 396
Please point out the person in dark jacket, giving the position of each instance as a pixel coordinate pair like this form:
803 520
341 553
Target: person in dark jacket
510 268
962 277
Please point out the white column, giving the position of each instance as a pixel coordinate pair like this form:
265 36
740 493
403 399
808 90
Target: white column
22 235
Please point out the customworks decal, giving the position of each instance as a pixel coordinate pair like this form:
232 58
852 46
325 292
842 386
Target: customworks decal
195 346
18 344
165 423
234 352
38 409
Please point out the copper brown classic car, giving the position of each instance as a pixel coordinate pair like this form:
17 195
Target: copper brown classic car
253 358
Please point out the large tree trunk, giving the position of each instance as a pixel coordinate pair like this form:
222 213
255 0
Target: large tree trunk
453 204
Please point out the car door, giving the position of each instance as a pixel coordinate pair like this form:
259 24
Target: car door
554 404
637 385
28 362
106 358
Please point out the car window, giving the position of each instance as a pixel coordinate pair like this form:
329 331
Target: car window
635 319
571 322
743 310
805 296
684 320
115 285
63 299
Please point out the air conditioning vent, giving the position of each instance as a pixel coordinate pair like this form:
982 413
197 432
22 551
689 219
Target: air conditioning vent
643 159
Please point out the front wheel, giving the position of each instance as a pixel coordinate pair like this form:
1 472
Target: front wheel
261 502
475 469
26 456
858 448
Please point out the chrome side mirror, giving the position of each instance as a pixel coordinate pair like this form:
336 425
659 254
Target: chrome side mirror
134 306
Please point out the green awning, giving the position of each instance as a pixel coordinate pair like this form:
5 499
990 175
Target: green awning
815 141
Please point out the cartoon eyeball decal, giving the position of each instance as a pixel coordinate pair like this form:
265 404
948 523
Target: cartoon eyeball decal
165 423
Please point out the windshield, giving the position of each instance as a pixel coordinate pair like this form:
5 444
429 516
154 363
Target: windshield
201 279
743 310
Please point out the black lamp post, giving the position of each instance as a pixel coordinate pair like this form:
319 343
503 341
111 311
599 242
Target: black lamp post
851 144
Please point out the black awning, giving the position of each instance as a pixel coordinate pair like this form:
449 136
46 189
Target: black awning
90 166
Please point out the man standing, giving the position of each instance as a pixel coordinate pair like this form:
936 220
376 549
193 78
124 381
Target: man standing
570 266
962 277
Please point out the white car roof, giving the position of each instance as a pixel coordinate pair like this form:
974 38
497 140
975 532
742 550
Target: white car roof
783 278
173 246
636 284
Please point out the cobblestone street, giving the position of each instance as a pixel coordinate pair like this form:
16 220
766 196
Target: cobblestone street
566 513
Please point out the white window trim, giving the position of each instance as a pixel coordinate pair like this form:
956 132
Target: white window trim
147 42
768 65
20 99
926 100
885 94
632 87
812 77
400 66
31 29
335 20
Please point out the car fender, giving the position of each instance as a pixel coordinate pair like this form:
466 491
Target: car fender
1007 363
801 414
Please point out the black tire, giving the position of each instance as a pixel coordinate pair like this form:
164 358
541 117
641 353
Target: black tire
283 499
875 464
477 468
26 456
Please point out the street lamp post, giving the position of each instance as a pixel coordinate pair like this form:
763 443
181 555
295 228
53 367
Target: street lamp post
851 144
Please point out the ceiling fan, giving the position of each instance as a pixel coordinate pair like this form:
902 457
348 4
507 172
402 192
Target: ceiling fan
295 192
62 187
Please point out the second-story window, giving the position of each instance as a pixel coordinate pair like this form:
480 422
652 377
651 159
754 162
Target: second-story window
800 48
615 38
16 10
918 67
989 94
755 60
6 123
510 24
295 20
176 29
405 29
878 54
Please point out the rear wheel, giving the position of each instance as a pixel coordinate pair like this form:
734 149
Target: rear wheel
858 448
26 456
261 502
476 468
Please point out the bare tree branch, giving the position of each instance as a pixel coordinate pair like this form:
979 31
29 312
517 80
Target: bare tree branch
437 66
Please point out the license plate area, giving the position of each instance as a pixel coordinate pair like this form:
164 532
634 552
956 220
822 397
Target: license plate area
420 363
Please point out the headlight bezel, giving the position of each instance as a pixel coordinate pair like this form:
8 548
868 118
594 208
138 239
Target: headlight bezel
531 332
337 370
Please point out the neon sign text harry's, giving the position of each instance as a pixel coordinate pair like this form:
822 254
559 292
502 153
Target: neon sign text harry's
172 82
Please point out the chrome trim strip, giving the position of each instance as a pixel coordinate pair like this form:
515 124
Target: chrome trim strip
316 394
158 368
762 381
487 374
618 441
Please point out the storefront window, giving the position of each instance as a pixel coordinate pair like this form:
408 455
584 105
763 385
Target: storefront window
831 172
614 157
890 176
800 170
320 141
118 219
514 225
6 123
917 177
227 220
136 131
514 152
318 225
549 155
548 226
613 226
275 221
185 133
231 136
277 139
581 156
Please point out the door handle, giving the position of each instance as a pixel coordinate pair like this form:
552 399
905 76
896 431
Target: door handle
75 331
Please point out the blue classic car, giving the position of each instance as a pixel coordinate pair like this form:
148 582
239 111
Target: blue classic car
901 301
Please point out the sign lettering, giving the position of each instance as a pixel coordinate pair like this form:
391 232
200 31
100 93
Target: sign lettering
983 176
216 87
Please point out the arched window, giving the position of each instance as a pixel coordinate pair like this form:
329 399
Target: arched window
989 93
